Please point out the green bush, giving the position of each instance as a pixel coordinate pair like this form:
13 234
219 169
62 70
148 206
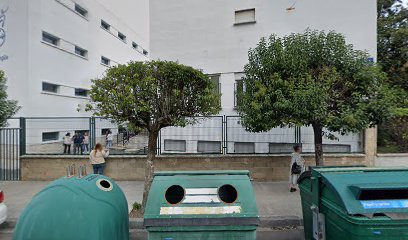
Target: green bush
137 205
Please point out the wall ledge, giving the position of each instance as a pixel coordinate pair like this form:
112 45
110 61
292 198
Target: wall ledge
392 154
189 156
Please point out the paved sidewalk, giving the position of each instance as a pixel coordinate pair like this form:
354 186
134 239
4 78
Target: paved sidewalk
273 198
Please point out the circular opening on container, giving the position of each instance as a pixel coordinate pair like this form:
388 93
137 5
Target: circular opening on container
104 185
227 193
174 194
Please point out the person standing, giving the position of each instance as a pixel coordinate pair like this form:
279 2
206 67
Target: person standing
297 166
67 143
97 159
85 143
77 143
109 139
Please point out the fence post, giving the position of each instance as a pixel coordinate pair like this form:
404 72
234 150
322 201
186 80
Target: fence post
22 136
92 134
298 135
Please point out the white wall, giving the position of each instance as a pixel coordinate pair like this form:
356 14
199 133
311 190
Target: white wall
13 53
202 34
30 61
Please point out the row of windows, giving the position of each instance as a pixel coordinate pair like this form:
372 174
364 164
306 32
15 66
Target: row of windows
56 41
106 26
53 40
246 147
55 88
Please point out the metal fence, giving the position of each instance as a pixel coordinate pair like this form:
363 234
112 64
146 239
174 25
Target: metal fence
9 154
213 135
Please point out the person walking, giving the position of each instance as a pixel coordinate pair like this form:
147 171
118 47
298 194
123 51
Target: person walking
97 158
297 166
85 143
109 139
67 143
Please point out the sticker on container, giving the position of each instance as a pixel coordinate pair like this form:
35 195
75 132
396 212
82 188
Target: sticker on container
384 204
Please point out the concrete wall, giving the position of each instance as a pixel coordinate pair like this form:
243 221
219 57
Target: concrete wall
262 167
392 160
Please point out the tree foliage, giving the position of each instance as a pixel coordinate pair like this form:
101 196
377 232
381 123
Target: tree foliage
313 78
393 41
7 107
153 95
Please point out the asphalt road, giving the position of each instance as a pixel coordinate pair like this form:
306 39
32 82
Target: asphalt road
263 234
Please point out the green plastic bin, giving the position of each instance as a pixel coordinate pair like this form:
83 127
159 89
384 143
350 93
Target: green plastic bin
201 205
355 203
90 207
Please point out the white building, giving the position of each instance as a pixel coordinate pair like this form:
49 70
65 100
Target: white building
51 49
215 36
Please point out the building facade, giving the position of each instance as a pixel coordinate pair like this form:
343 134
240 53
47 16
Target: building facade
216 36
51 49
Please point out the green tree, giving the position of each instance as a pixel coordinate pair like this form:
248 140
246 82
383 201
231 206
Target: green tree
312 79
153 95
393 41
7 107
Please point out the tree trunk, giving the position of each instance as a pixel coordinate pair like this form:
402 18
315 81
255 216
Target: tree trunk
318 141
151 154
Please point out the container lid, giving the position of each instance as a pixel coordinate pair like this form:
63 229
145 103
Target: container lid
195 173
362 190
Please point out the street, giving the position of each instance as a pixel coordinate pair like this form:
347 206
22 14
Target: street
262 234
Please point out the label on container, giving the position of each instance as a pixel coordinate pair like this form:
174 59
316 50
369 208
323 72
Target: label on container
375 204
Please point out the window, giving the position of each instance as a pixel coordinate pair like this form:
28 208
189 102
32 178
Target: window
281 147
105 131
336 148
217 90
105 61
244 147
81 92
51 39
105 25
145 52
134 45
80 51
50 136
209 146
245 16
49 87
174 145
80 10
122 36
239 90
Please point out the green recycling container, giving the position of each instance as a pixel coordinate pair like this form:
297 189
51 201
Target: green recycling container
81 208
201 205
355 203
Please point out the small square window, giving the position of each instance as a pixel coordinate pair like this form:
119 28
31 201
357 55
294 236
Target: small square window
145 52
81 92
105 61
80 51
134 45
244 147
80 10
174 145
209 146
49 87
50 136
105 25
245 16
122 36
51 39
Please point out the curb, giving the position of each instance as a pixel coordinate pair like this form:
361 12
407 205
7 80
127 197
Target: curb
137 223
